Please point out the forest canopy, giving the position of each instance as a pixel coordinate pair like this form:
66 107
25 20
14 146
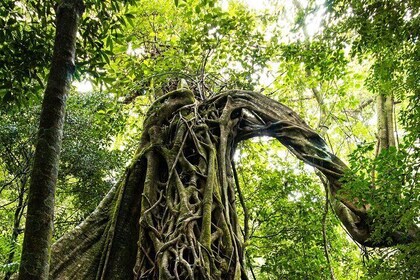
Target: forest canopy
187 99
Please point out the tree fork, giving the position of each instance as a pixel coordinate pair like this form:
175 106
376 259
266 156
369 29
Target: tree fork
40 214
173 216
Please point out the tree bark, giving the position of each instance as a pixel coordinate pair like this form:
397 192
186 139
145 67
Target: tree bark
39 220
173 216
385 116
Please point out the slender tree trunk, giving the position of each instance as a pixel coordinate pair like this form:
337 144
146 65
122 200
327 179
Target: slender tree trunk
173 215
39 220
386 129
16 223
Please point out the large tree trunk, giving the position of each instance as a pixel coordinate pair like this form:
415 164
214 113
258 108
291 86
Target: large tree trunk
173 215
40 215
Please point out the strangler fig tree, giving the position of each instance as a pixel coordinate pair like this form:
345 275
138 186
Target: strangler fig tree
173 214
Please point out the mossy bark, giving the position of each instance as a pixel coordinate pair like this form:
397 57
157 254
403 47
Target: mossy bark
173 216
40 214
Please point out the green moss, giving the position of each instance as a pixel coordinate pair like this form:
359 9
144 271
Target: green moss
181 94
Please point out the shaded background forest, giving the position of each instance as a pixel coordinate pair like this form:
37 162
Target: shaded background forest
329 61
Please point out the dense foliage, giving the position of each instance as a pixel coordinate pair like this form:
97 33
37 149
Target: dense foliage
330 72
88 167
